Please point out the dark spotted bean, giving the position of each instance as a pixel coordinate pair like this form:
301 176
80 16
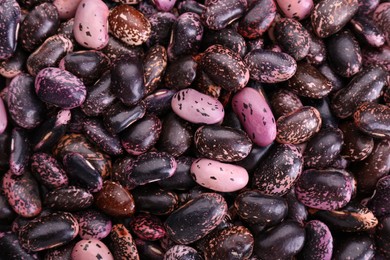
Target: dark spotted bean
122 243
309 82
181 73
121 171
10 16
224 144
116 48
186 36
354 246
344 54
256 208
161 25
60 88
159 102
94 130
155 64
282 242
314 191
292 37
14 65
205 85
278 181
154 200
323 149
50 131
357 145
225 68
99 96
49 231
373 119
118 117
22 193
181 252
93 224
11 249
296 210
365 86
317 50
86 65
60 253
269 66
48 171
219 14
318 241
127 75
352 218
367 31
284 102
226 37
68 199
149 249
382 236
337 81
233 242
377 56
49 54
329 16
196 218
147 227
181 179
367 6
20 151
42 22
382 18
191 6
24 107
114 200
298 126
379 203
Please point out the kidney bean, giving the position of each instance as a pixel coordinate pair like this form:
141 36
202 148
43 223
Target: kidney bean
373 119
14 65
62 252
66 9
154 200
149 249
219 14
118 117
161 24
353 246
155 64
382 18
181 251
93 224
68 199
10 17
318 241
367 31
181 73
122 243
20 151
11 248
88 248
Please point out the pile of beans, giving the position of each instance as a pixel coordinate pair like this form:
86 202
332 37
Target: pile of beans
215 129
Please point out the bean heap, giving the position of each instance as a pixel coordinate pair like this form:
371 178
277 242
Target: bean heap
215 129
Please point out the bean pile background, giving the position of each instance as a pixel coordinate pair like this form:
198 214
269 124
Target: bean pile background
215 129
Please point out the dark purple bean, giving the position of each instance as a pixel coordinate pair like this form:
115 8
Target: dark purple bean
282 242
354 246
225 68
336 80
232 242
278 170
154 200
24 107
367 6
116 49
20 151
292 37
11 249
60 253
377 56
48 231
176 135
155 64
226 37
205 85
284 102
121 171
48 171
49 132
269 66
86 65
14 65
256 208
382 236
318 241
365 86
142 135
367 31
181 73
323 149
221 13
191 6
330 16
196 218
68 199
149 250
82 172
49 54
323 106
118 117
128 79
357 145
309 82
313 189
317 50
7 215
94 130
5 149
379 202
42 22
10 17
352 218
224 144
161 24
147 227
258 18
344 54
373 119
181 251
181 179
296 210
159 102
382 18
251 162
186 36
93 224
